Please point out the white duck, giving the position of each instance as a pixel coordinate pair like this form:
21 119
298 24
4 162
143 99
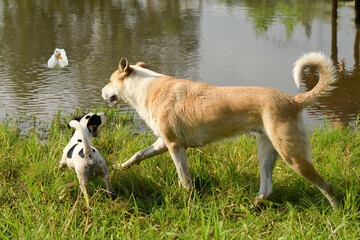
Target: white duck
58 59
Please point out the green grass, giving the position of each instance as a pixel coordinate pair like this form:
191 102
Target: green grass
151 205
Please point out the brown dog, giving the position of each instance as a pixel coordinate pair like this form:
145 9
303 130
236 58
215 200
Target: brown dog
183 114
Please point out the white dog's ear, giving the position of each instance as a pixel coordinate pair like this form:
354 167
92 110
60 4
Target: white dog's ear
102 117
124 66
79 118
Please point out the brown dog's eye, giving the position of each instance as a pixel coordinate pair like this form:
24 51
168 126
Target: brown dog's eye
87 117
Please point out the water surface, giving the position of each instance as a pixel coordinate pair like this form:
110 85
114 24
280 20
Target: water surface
249 42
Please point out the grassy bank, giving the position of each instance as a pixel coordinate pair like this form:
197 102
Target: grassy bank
150 203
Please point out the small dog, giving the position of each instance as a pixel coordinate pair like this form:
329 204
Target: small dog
184 113
80 156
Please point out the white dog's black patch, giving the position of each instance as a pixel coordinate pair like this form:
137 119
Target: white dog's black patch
81 152
93 123
70 152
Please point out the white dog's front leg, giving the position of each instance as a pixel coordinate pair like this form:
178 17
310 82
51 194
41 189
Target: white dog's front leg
182 167
157 148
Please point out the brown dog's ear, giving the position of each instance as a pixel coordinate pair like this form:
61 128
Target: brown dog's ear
124 66
142 64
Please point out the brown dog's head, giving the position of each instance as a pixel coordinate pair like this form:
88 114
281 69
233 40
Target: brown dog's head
113 92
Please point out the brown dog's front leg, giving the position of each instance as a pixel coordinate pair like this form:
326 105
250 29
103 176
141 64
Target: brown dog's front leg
178 154
157 148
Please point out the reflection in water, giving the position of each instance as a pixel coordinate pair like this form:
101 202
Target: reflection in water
343 106
266 14
219 42
94 34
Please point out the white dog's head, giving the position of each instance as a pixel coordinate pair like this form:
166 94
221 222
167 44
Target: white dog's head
113 91
92 122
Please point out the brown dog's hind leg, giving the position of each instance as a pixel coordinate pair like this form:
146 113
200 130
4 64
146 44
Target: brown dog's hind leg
267 156
292 143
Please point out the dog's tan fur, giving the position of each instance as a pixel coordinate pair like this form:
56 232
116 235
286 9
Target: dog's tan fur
184 113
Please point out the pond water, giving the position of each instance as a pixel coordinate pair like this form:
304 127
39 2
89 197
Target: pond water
249 42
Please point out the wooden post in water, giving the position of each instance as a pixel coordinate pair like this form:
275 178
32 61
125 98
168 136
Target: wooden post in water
334 6
357 34
357 13
334 50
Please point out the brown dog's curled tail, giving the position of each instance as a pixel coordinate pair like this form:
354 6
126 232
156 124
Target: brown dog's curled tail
327 77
